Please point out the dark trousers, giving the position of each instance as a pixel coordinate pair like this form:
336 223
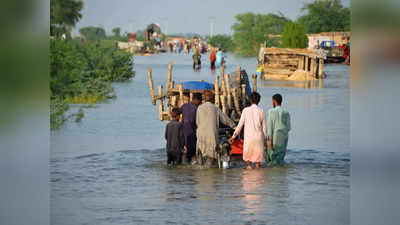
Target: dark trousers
191 146
212 64
174 158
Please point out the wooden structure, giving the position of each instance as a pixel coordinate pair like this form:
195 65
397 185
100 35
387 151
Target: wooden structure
282 63
231 93
131 37
150 30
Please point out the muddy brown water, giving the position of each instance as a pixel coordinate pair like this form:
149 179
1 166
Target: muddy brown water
110 168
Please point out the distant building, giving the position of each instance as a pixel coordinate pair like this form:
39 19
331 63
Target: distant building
339 38
174 39
314 40
152 31
131 37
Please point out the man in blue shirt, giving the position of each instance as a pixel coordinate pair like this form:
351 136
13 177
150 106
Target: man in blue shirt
220 58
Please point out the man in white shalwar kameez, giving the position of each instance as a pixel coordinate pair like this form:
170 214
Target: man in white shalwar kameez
255 134
208 118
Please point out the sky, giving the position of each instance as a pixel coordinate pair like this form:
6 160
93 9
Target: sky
182 16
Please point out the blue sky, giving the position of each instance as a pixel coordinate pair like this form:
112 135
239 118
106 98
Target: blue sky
183 16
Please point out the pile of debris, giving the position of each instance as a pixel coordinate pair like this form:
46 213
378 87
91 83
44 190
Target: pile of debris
291 64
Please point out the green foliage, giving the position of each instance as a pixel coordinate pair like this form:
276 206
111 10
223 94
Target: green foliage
57 110
64 14
140 35
294 36
325 16
116 31
82 72
251 30
222 41
93 33
188 35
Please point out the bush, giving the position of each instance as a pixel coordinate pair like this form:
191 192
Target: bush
325 16
82 72
251 30
222 41
294 36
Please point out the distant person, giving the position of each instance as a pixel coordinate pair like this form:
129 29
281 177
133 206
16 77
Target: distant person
158 41
175 138
259 70
278 125
261 55
180 47
189 111
171 47
189 44
219 58
208 119
255 134
185 48
347 54
196 60
212 59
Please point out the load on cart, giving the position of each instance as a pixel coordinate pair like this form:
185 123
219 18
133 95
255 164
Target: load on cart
231 93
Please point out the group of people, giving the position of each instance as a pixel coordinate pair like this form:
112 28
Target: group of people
217 59
186 46
192 135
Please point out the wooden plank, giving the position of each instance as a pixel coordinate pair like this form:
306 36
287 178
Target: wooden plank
223 102
161 105
228 91
216 91
235 94
169 78
151 86
238 75
321 69
180 88
254 82
243 97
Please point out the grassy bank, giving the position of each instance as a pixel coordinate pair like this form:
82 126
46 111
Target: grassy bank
81 72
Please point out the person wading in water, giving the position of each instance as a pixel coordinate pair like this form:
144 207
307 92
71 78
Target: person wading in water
189 111
278 124
175 138
212 59
207 120
196 60
253 120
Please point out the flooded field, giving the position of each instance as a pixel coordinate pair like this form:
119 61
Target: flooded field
110 168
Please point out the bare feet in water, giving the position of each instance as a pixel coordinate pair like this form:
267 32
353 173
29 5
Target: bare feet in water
257 165
248 165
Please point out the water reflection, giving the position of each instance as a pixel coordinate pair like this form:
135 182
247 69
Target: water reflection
253 184
140 189
205 185
321 83
314 83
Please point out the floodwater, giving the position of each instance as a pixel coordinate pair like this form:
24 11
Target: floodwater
111 167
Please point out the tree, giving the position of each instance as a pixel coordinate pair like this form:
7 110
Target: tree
251 30
222 41
93 33
325 16
64 14
116 31
294 36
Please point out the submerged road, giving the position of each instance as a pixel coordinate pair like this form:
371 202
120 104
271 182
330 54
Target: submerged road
110 167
